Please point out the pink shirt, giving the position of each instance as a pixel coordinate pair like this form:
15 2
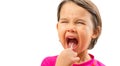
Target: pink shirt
50 61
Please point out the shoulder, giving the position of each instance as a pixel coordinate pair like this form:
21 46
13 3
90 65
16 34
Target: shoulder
50 58
96 62
48 61
99 63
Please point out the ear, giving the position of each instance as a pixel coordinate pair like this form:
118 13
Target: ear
96 32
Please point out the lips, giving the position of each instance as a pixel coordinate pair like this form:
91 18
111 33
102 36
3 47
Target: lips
72 41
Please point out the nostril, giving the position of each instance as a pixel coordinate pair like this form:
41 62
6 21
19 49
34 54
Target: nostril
71 30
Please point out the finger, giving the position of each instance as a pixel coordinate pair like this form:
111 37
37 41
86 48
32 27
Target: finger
75 59
75 54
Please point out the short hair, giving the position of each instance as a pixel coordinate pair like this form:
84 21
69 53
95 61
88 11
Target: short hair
92 9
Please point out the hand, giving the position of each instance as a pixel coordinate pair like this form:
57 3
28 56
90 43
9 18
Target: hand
67 57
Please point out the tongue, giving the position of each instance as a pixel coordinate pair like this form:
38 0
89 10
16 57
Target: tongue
71 44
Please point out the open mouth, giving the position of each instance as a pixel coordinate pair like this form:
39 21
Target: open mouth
72 42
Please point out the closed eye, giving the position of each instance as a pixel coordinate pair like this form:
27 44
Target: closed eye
80 23
64 22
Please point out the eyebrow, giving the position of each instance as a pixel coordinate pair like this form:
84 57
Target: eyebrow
63 19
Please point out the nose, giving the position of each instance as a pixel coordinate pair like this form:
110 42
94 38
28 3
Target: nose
71 28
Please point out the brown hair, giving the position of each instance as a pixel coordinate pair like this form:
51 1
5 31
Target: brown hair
92 9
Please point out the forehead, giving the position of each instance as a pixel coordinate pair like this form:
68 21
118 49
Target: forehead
70 8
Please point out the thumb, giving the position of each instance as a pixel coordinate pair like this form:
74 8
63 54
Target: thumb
76 59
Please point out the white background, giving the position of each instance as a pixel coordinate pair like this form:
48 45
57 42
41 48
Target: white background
28 32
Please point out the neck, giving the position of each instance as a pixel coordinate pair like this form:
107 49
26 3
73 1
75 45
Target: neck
84 56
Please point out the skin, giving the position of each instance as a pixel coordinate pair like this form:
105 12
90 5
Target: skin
74 23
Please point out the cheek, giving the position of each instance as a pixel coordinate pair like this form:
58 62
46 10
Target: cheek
85 38
86 32
61 32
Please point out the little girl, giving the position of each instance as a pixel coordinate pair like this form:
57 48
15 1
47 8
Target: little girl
79 26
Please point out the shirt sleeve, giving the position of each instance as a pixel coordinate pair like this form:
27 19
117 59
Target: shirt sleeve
45 62
49 61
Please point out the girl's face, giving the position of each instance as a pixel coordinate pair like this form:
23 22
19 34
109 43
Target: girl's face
75 27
